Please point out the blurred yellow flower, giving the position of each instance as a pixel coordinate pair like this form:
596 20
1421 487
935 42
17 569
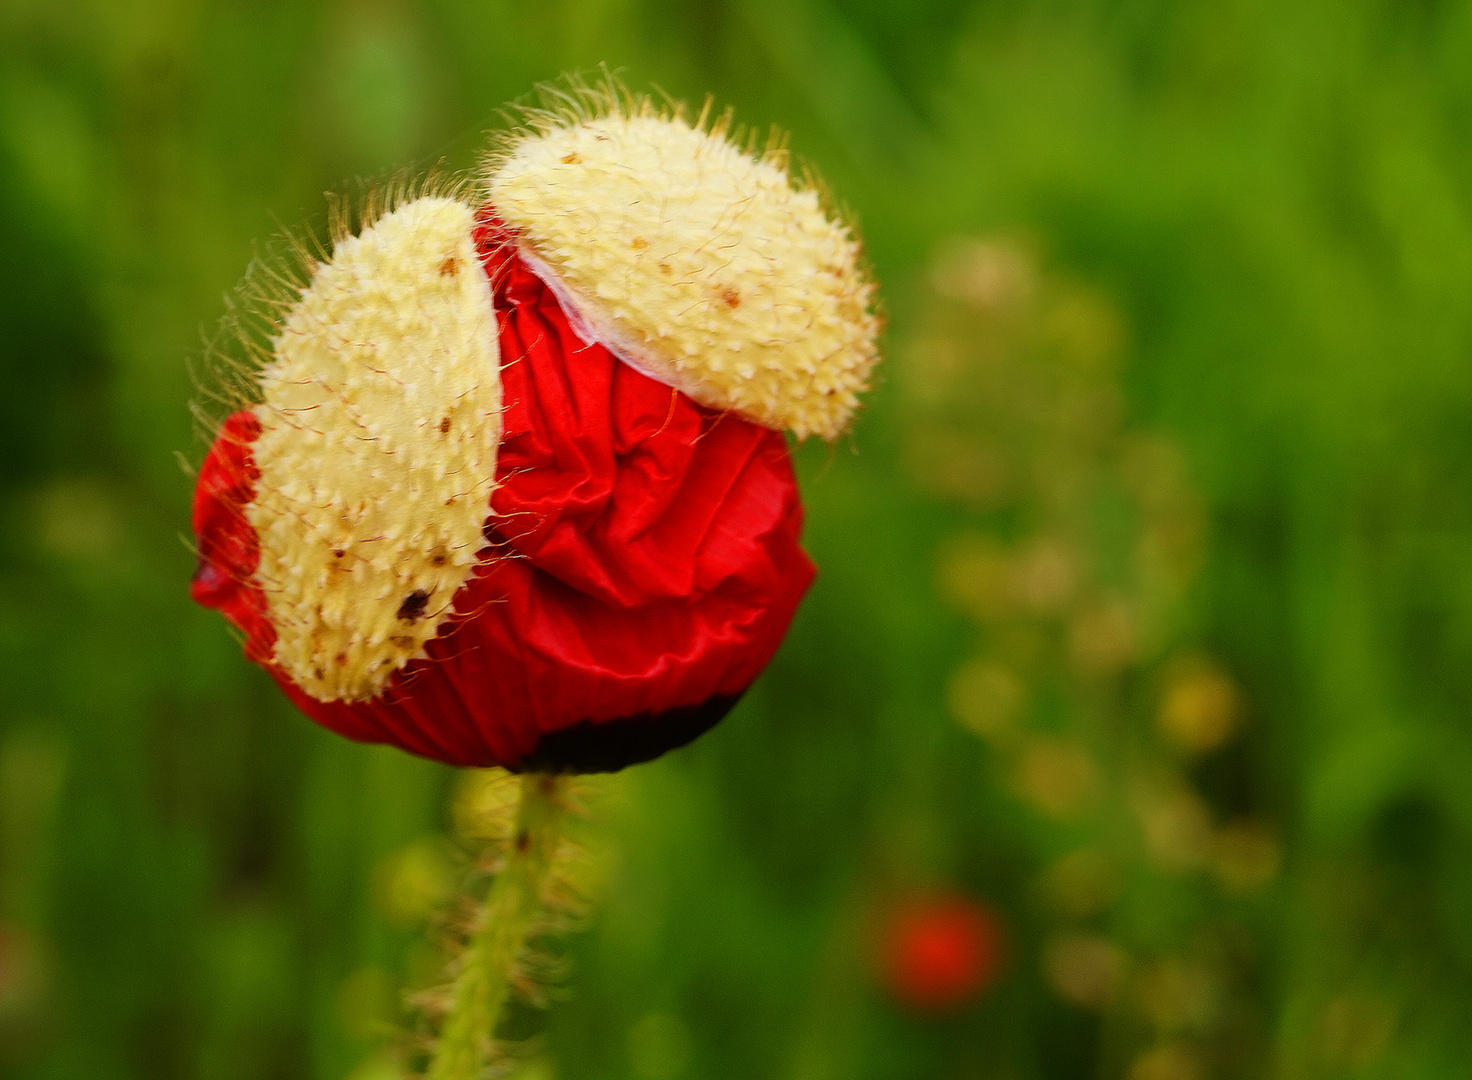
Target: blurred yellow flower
1102 638
414 881
1169 1061
1084 969
1057 776
1353 1030
974 575
1044 576
987 698
1178 995
985 274
1081 883
1246 856
1199 707
1177 827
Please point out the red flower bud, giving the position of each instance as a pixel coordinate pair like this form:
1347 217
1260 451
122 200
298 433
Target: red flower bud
519 496
641 563
939 952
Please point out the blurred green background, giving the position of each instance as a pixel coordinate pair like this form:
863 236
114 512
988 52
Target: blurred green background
1145 612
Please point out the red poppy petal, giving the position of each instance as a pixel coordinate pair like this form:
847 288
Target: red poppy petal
228 554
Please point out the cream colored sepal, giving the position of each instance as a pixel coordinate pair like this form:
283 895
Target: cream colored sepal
380 421
697 263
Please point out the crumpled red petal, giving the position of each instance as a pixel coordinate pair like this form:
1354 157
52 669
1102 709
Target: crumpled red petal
642 562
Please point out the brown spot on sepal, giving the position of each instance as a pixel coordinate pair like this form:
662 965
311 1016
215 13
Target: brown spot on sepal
414 605
638 243
445 426
450 267
571 159
731 298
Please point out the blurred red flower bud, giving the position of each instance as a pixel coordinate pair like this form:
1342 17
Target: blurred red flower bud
940 951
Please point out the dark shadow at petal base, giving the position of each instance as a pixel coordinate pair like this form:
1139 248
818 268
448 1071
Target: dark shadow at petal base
614 744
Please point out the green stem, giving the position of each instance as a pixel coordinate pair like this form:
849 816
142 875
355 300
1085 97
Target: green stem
511 908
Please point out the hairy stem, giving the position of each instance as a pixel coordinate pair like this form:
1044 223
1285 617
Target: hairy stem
511 908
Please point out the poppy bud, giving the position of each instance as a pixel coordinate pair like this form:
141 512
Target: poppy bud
516 490
940 951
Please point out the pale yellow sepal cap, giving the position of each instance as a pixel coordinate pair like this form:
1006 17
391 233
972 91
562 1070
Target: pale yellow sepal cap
380 419
699 263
